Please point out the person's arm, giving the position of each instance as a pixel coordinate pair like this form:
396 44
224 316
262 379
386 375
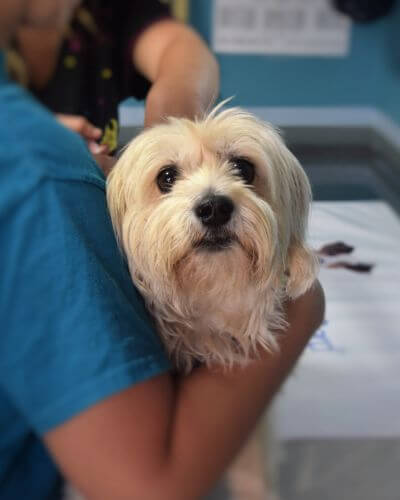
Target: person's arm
183 71
159 441
86 130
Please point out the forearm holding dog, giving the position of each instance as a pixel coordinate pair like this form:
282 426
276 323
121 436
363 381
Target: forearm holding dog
156 441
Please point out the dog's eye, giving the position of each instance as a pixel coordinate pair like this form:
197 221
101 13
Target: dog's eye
166 178
244 168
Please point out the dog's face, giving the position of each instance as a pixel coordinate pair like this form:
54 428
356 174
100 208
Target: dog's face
203 207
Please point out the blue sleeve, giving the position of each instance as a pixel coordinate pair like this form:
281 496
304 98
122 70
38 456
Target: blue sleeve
75 330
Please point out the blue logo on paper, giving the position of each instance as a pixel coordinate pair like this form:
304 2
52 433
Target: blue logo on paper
321 342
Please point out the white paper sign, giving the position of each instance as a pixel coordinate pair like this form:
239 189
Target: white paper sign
291 27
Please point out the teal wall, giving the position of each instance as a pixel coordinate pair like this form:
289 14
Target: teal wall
369 76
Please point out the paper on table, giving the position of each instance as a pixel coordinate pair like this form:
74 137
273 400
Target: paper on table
347 383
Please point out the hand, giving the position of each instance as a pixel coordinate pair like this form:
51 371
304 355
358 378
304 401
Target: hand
86 130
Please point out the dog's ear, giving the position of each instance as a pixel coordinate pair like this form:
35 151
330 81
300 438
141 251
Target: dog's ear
302 263
302 269
293 201
116 199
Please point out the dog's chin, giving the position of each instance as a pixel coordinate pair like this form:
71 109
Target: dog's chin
215 242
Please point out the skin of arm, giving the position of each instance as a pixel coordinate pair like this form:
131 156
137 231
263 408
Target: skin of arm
171 440
183 72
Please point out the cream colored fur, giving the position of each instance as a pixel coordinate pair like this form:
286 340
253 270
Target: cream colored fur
215 307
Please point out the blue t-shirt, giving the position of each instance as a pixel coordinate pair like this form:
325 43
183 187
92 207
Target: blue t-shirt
73 329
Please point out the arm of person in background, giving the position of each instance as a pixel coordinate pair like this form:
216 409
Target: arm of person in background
159 441
183 72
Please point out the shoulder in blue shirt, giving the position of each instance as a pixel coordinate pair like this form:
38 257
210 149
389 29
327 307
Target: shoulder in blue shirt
74 329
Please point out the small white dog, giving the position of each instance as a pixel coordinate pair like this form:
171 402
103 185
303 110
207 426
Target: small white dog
211 215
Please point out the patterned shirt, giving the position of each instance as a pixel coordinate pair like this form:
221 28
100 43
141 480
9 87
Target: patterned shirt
95 71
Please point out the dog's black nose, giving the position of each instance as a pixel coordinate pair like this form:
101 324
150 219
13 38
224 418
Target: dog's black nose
214 210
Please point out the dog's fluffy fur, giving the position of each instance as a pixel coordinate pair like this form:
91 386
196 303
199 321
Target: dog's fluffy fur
221 304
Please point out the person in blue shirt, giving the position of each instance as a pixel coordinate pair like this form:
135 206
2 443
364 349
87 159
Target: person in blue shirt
85 386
